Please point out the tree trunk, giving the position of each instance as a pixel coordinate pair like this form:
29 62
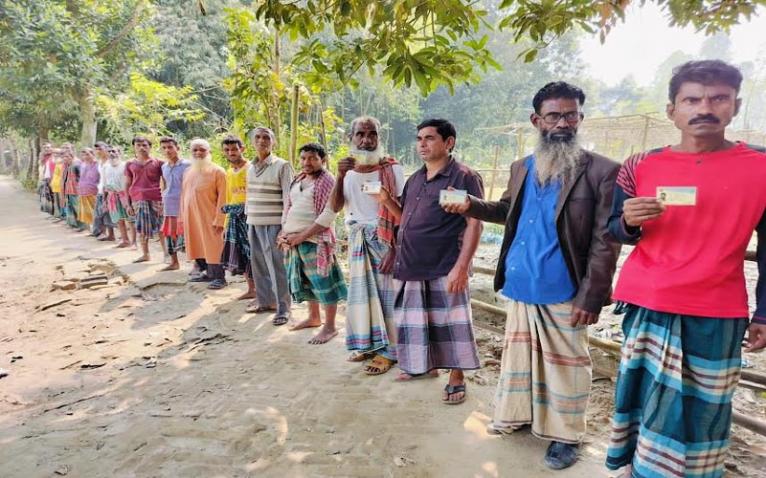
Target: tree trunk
275 116
88 119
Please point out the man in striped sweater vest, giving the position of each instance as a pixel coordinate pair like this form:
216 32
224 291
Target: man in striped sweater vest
268 187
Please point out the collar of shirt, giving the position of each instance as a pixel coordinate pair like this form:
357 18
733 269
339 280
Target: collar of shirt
446 171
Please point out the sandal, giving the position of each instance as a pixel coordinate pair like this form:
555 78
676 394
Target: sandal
453 389
359 356
379 365
280 320
217 284
257 309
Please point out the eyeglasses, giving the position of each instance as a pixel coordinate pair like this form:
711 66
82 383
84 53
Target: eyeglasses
570 117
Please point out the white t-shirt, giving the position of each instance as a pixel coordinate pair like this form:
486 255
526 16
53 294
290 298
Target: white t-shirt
362 207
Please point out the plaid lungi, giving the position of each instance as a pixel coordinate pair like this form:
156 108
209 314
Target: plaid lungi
148 217
87 207
370 307
173 232
116 203
72 210
673 394
434 327
545 374
101 218
305 282
235 257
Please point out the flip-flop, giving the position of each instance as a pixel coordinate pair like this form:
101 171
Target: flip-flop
280 320
453 389
379 365
259 309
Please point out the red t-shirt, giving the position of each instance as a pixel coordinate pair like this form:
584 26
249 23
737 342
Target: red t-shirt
146 180
690 260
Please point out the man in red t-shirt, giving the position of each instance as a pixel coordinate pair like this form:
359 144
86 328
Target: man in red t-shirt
144 195
691 210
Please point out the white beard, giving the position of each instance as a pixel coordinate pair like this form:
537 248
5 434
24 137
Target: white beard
201 164
367 158
556 160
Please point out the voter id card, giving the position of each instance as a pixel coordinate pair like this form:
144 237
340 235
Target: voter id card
677 195
455 196
371 187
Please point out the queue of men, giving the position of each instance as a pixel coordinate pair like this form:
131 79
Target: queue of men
689 209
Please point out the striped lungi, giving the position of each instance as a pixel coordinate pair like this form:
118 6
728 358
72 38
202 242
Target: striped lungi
87 208
172 230
72 210
370 307
148 217
434 327
545 374
235 257
306 284
673 394
117 204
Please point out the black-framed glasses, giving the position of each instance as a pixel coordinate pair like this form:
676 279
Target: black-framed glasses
554 117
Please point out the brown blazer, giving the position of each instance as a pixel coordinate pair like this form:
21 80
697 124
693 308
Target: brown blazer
582 212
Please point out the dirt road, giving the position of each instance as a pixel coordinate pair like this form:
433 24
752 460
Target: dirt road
149 376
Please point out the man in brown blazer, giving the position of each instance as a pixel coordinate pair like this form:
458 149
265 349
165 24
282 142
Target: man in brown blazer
555 267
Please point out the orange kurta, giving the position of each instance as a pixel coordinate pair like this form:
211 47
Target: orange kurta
203 194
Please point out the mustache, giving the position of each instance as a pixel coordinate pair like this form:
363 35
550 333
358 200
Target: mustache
704 119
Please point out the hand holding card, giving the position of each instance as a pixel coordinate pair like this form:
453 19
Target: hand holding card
677 195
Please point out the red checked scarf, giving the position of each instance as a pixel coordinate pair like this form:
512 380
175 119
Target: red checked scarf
323 185
387 222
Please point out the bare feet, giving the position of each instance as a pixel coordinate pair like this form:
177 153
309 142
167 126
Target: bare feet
122 245
405 377
324 336
144 258
170 267
307 324
247 295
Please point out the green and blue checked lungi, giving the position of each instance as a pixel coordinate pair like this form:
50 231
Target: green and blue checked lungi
673 395
235 257
305 282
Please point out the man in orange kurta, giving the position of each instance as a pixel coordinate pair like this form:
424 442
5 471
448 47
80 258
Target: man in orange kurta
203 194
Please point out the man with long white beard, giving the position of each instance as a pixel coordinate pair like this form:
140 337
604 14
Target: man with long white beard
203 195
370 329
555 267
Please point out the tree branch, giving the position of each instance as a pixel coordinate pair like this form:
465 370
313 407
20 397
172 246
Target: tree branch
124 31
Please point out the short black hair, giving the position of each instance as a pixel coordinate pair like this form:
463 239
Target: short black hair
168 139
136 139
557 89
443 127
706 72
100 144
231 139
313 148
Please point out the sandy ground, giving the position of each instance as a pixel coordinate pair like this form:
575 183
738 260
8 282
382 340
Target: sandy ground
152 377
149 376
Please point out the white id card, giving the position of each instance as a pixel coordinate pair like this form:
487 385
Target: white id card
456 196
372 187
677 195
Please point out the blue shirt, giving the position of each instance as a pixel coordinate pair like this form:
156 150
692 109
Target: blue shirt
535 271
173 177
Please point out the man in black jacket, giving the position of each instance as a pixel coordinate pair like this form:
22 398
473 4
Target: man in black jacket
556 267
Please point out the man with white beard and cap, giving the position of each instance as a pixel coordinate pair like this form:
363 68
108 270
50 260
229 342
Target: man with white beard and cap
555 267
